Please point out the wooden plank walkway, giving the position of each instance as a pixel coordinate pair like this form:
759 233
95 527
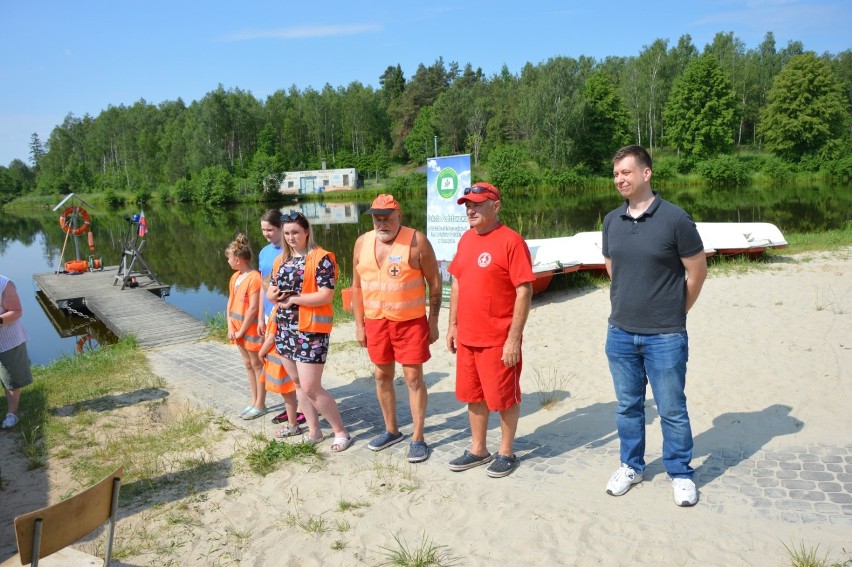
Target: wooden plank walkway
137 311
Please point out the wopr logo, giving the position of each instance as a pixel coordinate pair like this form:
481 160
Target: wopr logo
447 183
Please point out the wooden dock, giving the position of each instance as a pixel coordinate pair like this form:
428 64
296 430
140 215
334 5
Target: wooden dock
139 311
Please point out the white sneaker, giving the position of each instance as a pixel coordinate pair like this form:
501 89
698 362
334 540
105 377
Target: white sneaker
10 421
685 493
621 480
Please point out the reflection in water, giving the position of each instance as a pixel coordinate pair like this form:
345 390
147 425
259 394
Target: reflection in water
88 333
185 245
330 213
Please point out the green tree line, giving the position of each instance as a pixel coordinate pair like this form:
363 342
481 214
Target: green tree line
552 123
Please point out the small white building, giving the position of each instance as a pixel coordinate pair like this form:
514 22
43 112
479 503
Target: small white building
319 181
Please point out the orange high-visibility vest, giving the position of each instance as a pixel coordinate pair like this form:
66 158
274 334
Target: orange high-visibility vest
394 291
238 302
312 319
274 374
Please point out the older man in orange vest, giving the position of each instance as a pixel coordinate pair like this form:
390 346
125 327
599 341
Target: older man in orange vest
392 267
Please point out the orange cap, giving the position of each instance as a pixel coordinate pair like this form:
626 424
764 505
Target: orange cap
383 205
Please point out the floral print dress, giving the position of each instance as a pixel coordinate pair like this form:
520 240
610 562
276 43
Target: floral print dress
290 342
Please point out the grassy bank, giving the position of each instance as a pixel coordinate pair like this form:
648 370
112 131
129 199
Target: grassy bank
827 241
86 415
72 415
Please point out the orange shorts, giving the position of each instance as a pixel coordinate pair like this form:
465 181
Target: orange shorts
406 342
482 376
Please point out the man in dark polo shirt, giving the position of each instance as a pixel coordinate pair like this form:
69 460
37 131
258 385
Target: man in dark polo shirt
650 245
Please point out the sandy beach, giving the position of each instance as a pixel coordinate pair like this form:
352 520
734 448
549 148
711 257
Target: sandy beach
769 393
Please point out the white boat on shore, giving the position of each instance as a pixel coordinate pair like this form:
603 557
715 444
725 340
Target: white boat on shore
740 237
582 251
561 255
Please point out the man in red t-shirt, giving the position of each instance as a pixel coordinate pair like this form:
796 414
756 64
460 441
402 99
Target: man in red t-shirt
489 304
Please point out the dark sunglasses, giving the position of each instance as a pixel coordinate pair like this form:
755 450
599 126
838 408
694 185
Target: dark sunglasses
292 216
477 190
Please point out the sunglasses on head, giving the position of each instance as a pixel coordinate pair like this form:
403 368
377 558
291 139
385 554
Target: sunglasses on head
292 216
477 190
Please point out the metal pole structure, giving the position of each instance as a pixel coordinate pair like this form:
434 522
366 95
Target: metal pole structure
436 146
74 229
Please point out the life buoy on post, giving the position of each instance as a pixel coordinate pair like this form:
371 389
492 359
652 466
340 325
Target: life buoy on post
66 224
83 343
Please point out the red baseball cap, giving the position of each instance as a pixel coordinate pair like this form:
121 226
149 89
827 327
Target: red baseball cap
383 205
479 192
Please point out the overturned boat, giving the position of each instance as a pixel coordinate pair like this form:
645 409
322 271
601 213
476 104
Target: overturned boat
582 251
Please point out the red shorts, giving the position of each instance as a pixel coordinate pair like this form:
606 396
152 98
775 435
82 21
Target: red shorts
482 376
406 342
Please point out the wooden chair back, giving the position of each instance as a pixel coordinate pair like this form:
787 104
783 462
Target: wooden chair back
55 527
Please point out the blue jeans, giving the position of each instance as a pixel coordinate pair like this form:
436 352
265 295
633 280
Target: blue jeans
659 360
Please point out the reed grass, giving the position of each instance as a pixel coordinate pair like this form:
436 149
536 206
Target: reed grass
551 385
344 280
269 456
390 476
802 556
425 554
217 326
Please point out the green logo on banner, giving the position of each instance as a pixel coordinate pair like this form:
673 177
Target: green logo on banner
448 183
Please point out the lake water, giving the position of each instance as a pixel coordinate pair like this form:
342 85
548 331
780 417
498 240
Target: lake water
185 244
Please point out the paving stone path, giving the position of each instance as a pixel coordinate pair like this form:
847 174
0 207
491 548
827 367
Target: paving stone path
802 484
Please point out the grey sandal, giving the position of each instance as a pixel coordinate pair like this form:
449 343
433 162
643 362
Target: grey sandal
287 431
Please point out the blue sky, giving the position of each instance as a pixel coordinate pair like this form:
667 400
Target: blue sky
79 57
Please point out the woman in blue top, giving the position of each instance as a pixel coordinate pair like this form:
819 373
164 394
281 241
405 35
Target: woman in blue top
270 226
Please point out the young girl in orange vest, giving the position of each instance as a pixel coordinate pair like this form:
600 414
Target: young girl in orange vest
276 379
243 305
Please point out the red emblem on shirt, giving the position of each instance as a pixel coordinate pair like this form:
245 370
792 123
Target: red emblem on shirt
394 271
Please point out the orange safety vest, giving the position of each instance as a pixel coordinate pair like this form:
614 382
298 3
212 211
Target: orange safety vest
274 374
312 319
238 302
394 291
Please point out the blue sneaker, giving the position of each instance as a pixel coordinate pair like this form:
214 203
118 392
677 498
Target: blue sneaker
468 460
418 451
10 421
502 466
385 440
